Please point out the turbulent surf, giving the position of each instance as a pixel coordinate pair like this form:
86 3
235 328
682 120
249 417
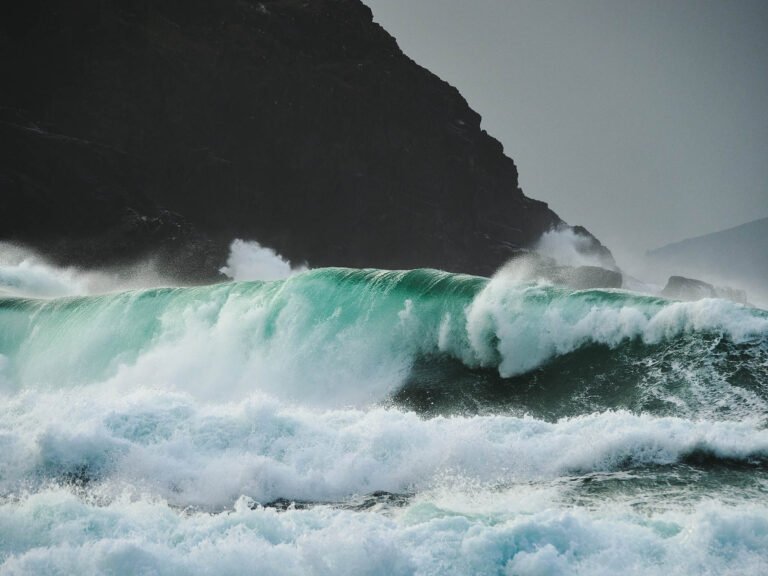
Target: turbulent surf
376 422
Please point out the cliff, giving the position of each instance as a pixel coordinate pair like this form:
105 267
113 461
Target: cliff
170 127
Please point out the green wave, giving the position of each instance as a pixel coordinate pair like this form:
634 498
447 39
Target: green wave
430 339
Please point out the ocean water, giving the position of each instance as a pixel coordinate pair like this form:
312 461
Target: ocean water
373 422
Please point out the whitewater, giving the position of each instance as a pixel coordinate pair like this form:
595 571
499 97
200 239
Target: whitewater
344 421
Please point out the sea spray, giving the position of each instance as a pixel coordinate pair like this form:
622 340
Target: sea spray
249 260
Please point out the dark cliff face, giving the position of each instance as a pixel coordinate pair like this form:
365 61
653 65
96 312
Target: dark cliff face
173 126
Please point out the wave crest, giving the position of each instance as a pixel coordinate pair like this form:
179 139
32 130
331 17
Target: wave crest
339 336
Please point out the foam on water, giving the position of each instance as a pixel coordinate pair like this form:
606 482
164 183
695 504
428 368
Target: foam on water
252 261
54 532
570 248
193 453
25 273
518 329
141 432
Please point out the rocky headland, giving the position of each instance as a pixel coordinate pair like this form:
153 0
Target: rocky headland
168 128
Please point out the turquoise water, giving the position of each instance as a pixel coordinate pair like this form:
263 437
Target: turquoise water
375 422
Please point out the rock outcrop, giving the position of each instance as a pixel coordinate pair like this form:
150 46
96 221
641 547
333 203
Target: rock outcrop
736 257
171 127
585 277
529 266
682 288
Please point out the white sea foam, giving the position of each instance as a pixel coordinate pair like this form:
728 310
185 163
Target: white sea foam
194 453
569 248
249 260
525 327
24 272
54 532
490 491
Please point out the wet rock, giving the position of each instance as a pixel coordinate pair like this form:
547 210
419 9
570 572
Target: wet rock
682 288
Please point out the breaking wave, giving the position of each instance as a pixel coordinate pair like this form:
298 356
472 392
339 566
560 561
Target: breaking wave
338 337
367 421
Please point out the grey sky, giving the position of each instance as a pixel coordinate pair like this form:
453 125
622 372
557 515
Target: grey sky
645 120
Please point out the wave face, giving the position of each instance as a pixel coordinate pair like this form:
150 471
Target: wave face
365 421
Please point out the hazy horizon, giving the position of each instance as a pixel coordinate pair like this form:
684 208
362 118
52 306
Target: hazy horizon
643 122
